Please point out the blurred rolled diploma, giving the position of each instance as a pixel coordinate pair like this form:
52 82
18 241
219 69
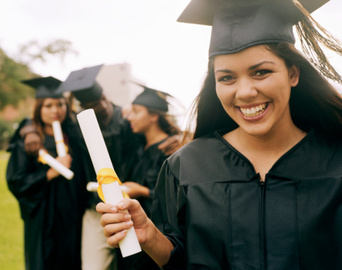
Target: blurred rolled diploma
53 163
92 186
58 135
100 158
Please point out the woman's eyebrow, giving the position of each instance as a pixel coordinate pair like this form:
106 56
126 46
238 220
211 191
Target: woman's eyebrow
259 64
223 70
250 68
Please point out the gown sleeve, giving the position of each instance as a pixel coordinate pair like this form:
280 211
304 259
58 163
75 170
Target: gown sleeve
26 179
168 214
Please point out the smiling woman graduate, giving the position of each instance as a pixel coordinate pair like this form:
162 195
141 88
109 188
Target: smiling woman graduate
260 185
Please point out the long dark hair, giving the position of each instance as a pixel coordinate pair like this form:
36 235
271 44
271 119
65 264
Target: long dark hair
165 122
314 103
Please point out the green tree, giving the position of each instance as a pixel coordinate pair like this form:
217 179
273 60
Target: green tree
11 73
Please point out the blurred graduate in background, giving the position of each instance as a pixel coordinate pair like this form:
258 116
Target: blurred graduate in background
149 116
125 148
51 206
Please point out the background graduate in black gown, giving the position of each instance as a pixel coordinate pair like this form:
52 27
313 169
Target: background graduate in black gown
51 206
122 144
149 116
260 185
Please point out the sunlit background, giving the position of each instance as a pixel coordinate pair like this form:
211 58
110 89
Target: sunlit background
167 55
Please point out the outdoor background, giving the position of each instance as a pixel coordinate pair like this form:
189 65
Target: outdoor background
53 38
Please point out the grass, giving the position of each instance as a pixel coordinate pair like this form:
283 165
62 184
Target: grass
11 225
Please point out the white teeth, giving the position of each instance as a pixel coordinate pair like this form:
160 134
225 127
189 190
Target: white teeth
254 111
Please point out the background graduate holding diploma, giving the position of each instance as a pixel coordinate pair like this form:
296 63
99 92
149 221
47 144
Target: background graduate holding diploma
51 206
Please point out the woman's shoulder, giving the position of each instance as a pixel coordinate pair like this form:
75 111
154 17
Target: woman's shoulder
207 159
322 140
197 145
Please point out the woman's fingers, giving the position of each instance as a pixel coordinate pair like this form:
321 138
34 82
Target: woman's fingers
114 228
117 217
105 208
114 239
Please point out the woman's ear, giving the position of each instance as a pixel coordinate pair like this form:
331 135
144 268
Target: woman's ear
294 73
155 117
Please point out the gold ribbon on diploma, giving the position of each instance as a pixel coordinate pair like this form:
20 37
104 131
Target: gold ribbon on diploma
65 146
107 176
41 158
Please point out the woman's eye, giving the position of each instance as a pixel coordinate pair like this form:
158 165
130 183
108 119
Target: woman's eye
262 72
226 78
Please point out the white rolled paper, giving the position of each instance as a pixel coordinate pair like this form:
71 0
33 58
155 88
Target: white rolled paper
53 163
92 186
100 158
58 135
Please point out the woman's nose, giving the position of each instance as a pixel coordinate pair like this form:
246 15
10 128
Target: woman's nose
246 90
54 109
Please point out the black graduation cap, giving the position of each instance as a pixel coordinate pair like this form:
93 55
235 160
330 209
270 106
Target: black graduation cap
239 24
153 99
46 87
82 83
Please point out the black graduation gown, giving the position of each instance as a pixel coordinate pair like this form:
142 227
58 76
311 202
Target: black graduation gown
146 164
122 144
52 211
211 204
145 171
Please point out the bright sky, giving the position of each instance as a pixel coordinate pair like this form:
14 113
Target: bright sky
167 55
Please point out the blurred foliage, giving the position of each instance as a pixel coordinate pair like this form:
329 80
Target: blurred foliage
6 131
33 50
12 91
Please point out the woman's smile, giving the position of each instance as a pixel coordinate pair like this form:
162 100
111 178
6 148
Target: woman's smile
253 112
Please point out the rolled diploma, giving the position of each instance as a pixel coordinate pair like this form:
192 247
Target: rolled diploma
53 163
100 158
92 186
57 132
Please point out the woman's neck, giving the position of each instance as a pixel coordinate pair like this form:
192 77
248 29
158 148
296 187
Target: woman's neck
275 143
264 151
154 135
48 130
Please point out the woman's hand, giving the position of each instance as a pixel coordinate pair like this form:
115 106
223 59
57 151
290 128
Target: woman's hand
135 190
116 222
66 161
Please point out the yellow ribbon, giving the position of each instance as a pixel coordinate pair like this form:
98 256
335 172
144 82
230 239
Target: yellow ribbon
107 176
42 159
65 146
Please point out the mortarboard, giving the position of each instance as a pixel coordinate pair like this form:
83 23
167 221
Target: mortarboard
153 99
239 24
82 83
46 87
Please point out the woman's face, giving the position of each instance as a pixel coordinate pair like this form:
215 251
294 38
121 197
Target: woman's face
254 87
140 119
53 109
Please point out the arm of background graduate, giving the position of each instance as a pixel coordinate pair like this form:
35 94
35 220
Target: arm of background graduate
26 179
